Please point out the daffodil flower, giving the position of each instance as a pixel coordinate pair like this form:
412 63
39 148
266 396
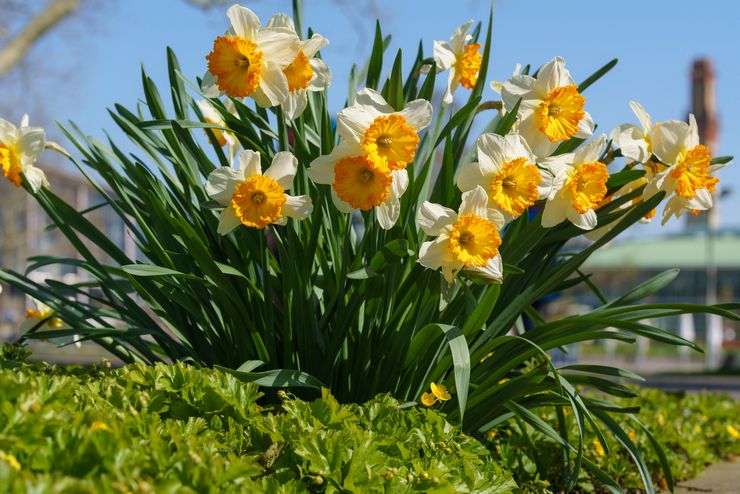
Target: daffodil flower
462 59
212 116
357 183
253 199
306 72
249 60
507 171
551 109
43 318
688 177
468 239
20 147
385 137
578 186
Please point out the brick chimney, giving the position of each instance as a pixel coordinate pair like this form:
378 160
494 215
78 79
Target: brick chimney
704 108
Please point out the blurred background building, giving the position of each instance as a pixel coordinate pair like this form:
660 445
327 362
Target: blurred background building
26 233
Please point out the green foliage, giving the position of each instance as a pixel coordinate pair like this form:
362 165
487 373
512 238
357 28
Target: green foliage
694 430
175 428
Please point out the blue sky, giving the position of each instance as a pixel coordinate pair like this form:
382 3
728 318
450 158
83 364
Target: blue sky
655 42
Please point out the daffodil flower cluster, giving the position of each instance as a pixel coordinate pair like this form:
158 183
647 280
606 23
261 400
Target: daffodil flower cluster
674 161
282 272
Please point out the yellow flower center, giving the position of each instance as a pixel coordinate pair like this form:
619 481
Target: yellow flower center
11 164
514 189
474 240
299 72
468 65
360 184
586 186
237 65
390 142
258 201
560 112
692 172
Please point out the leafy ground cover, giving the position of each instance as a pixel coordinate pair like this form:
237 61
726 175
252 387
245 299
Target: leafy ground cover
175 428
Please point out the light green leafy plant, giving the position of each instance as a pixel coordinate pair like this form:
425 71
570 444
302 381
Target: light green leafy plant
175 428
263 271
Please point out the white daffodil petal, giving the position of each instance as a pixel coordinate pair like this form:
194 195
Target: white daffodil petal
222 182
227 221
444 57
460 37
453 81
283 168
342 206
312 46
250 163
208 86
586 126
297 207
36 178
630 139
321 75
496 217
279 46
387 213
8 132
321 169
520 86
491 152
474 202
551 76
493 271
692 138
399 183
668 140
31 143
244 21
585 221
418 114
436 254
471 176
370 97
642 115
555 211
352 122
294 104
434 219
515 146
541 146
273 88
591 151
282 21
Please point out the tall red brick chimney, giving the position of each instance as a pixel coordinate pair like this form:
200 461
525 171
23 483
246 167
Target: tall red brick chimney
704 108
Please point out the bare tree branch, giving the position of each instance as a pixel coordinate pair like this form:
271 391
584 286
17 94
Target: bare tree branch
14 50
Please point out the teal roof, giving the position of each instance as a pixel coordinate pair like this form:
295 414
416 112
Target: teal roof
676 251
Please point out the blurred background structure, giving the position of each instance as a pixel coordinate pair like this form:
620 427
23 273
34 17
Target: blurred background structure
70 59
